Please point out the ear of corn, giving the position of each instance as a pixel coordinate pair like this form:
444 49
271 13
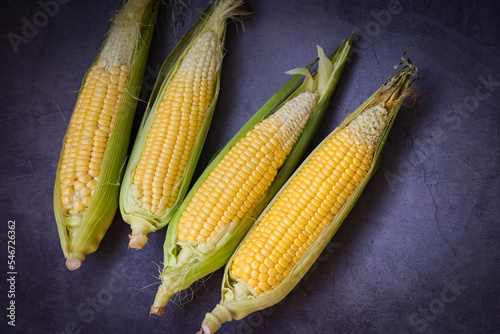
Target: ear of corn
305 214
95 146
243 177
173 131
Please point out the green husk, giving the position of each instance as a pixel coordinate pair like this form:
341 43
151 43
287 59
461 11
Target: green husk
97 218
237 305
185 263
141 221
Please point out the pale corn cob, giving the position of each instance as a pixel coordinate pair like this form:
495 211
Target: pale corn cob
96 142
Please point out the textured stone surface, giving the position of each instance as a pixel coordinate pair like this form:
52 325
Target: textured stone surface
419 251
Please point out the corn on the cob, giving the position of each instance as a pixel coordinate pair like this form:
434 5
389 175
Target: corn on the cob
302 218
233 190
95 146
169 143
308 204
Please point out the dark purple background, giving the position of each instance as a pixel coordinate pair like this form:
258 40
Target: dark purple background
418 253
